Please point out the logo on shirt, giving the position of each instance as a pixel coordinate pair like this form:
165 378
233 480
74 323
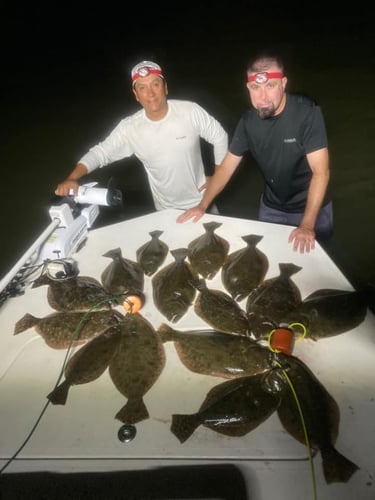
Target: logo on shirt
289 141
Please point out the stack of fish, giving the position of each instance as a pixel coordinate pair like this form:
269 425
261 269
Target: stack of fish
261 381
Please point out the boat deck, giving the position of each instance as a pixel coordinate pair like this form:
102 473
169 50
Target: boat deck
82 435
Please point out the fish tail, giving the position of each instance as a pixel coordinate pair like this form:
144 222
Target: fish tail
199 284
133 411
166 332
288 269
112 254
179 254
40 281
60 394
210 227
155 234
183 426
336 467
252 239
26 322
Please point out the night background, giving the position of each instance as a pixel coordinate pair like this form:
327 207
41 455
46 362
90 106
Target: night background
65 78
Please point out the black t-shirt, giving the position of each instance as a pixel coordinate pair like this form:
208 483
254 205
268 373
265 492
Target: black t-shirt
279 145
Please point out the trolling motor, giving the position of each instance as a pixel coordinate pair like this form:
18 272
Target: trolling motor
77 214
71 218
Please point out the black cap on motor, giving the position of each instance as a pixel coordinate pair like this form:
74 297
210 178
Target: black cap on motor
114 197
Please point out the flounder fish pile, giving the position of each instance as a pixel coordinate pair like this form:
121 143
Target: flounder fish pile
232 346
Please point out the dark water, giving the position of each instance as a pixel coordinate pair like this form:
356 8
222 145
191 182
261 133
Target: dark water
67 84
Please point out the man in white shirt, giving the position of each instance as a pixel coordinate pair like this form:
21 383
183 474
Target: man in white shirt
165 136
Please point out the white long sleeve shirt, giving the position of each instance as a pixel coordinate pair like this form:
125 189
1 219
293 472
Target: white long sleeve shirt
169 150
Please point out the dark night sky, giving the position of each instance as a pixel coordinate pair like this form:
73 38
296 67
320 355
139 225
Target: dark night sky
36 35
63 86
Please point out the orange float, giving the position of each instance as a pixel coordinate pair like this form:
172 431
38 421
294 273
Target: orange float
134 302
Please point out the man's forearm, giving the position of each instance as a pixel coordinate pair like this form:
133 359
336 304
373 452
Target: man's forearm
79 171
315 197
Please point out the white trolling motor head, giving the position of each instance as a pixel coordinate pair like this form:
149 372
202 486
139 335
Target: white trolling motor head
90 195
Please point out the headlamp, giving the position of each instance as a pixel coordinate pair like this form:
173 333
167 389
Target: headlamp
146 71
264 76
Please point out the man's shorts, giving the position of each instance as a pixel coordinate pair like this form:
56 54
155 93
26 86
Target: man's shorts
323 226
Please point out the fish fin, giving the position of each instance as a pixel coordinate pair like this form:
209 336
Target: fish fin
252 239
156 233
210 227
133 411
26 322
113 254
287 269
60 394
40 281
183 426
336 467
165 331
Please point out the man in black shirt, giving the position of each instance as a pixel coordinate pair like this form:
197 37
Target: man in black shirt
286 135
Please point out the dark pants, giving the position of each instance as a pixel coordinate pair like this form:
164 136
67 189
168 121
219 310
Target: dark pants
323 226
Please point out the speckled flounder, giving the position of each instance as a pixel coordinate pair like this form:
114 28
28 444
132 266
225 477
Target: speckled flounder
268 303
329 312
244 269
321 416
78 293
152 254
87 364
233 408
220 310
122 275
173 286
208 252
219 354
136 365
63 329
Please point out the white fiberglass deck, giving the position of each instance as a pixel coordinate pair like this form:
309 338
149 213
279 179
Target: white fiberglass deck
82 434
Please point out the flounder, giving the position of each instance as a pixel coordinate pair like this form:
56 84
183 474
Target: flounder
122 275
329 312
320 412
268 303
135 366
61 330
87 364
208 252
152 254
210 352
78 293
233 408
220 310
173 286
244 269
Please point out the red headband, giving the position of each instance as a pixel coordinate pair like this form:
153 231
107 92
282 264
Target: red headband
264 76
145 71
